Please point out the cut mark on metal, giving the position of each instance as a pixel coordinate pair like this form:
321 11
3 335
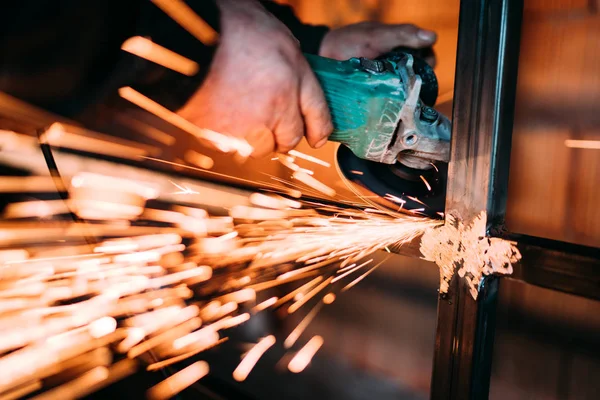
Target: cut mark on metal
464 249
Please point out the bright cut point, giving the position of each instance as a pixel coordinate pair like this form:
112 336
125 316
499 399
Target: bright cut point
305 355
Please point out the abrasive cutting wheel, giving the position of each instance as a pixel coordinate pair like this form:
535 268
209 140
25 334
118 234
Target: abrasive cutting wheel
396 187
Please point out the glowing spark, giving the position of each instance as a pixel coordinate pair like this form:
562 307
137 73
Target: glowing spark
355 172
178 381
299 329
230 322
416 200
102 327
151 51
161 364
183 189
307 157
200 338
241 296
313 183
329 298
345 274
264 305
395 199
249 361
301 289
62 135
189 20
294 307
164 337
305 355
425 182
222 142
77 387
363 276
348 268
200 160
145 129
277 203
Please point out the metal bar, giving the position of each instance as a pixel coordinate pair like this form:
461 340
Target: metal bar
487 60
558 266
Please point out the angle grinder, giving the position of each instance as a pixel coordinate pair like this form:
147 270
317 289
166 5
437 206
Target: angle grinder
394 145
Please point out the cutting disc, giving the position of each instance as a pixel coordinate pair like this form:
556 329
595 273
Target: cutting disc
396 187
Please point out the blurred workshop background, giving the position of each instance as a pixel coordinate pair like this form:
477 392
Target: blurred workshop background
548 343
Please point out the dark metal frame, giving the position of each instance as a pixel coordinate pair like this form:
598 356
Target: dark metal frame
483 115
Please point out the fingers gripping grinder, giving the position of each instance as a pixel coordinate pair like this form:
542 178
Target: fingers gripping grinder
394 144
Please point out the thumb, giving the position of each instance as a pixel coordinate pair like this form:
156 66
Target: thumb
408 35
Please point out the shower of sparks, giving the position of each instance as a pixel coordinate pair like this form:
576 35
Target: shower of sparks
172 293
130 285
148 276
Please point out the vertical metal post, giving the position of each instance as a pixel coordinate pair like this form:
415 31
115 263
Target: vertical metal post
485 86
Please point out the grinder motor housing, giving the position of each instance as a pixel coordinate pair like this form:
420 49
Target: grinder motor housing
381 109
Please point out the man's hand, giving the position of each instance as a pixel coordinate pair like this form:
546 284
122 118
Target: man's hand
371 39
260 87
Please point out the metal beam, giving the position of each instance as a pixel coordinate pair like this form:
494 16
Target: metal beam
485 86
558 266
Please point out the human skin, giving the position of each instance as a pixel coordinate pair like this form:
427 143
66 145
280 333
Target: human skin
261 88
